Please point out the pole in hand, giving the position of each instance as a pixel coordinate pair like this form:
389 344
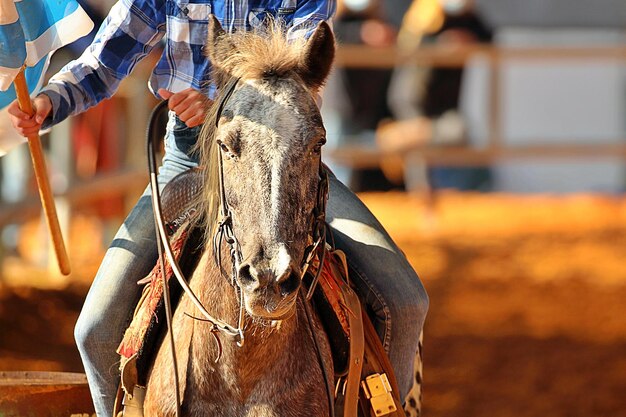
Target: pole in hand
41 174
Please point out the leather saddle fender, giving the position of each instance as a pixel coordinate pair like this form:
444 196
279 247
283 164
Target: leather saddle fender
358 354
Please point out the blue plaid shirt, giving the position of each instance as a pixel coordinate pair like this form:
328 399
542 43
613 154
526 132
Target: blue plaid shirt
134 27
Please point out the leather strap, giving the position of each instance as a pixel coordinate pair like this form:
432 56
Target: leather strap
357 343
367 355
335 299
133 404
378 362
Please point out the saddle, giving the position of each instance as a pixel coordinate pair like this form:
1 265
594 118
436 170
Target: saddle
363 374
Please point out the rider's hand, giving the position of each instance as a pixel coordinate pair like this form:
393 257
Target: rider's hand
189 105
25 124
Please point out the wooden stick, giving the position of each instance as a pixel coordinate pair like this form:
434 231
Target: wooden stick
41 174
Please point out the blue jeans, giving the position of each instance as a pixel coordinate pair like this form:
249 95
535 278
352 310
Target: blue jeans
390 285
384 278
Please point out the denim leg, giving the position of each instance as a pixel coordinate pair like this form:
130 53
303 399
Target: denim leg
384 278
114 291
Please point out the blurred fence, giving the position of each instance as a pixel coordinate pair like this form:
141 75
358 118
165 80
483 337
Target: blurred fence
134 99
494 147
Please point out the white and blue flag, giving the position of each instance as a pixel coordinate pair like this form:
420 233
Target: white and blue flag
30 30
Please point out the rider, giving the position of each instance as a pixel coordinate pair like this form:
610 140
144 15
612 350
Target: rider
131 30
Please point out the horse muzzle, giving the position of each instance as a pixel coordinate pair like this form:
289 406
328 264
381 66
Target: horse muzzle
268 294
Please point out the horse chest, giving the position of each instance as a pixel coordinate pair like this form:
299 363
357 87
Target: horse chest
268 379
229 396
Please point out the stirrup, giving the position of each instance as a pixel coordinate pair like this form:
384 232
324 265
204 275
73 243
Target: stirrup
133 404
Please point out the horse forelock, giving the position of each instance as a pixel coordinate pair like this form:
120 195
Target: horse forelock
263 52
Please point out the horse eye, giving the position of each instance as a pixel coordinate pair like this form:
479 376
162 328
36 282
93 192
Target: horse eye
223 146
227 152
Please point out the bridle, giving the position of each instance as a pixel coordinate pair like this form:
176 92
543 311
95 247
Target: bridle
224 232
318 234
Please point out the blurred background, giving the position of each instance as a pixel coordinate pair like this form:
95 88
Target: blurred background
488 136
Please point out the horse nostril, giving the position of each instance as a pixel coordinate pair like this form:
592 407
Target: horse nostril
245 275
289 284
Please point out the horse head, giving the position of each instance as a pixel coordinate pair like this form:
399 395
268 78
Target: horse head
268 134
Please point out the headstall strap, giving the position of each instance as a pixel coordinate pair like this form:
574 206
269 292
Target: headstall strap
224 231
318 231
229 88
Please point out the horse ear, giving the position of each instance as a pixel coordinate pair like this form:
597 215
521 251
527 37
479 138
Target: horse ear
318 56
219 46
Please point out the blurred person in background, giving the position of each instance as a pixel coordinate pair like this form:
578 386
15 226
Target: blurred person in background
425 100
355 98
392 290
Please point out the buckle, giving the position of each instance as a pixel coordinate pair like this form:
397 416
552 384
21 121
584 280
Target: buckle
378 391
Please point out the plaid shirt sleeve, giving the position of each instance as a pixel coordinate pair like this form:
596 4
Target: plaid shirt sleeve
308 14
130 31
134 27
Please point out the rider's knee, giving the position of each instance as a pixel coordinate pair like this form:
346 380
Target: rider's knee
81 332
411 304
422 301
88 332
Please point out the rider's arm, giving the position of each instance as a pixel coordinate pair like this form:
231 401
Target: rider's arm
130 31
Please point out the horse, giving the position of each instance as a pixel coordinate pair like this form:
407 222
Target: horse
261 148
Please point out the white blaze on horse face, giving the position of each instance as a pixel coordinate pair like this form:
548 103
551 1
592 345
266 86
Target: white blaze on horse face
289 127
275 192
361 232
277 149
283 261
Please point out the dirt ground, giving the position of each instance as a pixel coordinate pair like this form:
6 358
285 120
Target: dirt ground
527 303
